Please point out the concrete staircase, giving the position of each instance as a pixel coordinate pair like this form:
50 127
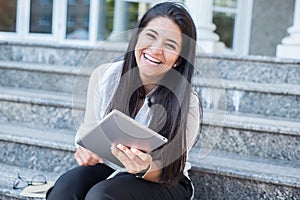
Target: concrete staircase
249 147
41 104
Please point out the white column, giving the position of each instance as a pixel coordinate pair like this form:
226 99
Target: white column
290 46
142 9
202 13
120 21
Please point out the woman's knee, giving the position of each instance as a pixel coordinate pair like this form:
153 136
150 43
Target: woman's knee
64 186
75 182
103 190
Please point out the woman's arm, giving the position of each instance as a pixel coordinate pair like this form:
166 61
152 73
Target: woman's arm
83 156
154 173
193 121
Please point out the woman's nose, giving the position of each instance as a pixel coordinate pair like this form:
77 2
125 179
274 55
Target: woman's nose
157 48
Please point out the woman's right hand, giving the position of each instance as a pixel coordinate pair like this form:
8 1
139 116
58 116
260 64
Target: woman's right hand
85 157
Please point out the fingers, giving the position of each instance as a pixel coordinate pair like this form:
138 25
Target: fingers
140 154
133 159
84 157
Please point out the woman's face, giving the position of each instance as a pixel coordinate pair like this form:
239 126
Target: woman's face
157 49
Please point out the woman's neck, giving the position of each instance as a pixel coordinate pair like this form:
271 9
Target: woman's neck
149 87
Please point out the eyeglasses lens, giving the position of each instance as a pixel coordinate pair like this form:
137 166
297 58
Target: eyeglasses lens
20 183
38 180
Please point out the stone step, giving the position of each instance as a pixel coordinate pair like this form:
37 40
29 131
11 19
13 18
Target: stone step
271 138
49 150
46 77
254 69
231 176
38 108
9 173
70 55
41 76
268 100
245 68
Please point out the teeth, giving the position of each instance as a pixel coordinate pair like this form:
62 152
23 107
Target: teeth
152 59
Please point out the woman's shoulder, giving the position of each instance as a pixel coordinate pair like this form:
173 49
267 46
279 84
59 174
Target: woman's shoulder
106 76
108 68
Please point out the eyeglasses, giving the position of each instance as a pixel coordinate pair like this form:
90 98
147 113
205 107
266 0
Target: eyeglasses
21 182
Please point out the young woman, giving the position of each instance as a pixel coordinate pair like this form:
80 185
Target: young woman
151 85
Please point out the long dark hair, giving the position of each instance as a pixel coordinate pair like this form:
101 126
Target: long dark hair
173 96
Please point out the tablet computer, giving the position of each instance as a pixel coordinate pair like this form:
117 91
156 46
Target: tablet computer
118 128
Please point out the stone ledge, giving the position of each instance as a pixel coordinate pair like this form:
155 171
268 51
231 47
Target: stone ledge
50 150
53 138
252 122
220 187
101 45
272 88
248 167
39 97
251 71
117 46
46 68
251 58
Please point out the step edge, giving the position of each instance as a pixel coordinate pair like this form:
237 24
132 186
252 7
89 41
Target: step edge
251 122
46 68
212 164
56 139
252 59
247 86
60 99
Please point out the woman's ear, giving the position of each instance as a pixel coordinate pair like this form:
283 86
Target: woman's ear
178 61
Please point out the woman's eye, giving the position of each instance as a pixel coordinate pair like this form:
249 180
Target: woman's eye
170 46
150 36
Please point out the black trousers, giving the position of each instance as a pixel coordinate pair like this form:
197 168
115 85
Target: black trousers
90 183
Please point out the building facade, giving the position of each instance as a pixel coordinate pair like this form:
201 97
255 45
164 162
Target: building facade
238 27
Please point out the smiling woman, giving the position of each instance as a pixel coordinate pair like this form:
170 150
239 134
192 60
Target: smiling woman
153 86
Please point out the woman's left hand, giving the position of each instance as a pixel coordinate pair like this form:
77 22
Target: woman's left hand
134 160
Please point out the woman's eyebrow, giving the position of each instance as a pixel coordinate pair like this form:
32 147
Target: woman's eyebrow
152 30
170 40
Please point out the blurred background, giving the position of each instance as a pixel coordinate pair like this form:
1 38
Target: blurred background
244 27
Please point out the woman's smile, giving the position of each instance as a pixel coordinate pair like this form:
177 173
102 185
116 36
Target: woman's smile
152 59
